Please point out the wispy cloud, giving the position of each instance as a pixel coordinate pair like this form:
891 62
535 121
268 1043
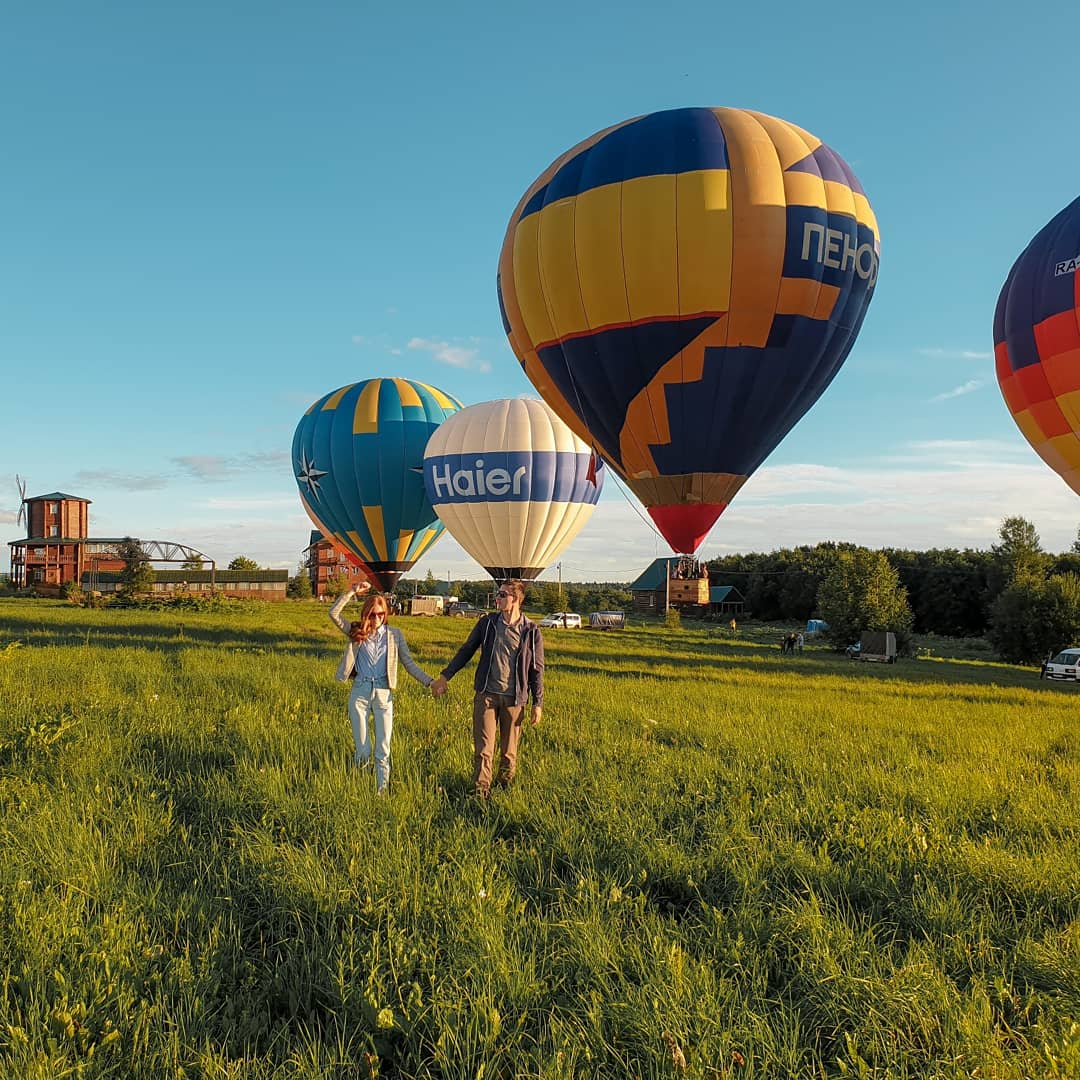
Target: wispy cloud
961 390
214 467
358 339
453 355
255 502
8 517
108 478
956 354
975 452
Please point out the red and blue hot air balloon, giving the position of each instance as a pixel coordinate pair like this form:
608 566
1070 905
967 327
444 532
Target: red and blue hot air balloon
680 289
358 458
1037 344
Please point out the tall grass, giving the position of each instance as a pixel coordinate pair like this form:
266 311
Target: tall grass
719 862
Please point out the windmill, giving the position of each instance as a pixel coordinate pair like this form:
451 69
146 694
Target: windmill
20 483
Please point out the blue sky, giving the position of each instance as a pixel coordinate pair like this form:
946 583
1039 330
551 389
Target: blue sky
213 214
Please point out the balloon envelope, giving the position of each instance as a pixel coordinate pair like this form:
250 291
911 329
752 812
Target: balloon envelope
357 457
512 483
681 288
1037 344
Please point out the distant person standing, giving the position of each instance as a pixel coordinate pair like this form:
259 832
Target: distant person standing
799 642
510 669
371 661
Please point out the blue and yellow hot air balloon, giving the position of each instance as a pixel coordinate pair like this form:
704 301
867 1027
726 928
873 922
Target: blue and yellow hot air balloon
680 289
358 461
1037 344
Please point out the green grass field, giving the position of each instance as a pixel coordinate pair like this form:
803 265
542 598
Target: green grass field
719 862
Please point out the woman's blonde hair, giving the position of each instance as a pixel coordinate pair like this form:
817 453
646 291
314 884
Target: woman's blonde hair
361 629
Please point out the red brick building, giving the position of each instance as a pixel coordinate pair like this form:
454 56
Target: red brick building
57 548
325 563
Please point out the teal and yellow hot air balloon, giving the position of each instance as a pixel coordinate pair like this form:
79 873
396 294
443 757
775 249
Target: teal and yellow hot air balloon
680 289
358 458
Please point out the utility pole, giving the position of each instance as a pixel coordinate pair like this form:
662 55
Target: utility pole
559 565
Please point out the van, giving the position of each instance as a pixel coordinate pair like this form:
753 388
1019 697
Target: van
1066 665
562 620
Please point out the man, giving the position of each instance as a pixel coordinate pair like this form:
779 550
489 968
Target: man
511 667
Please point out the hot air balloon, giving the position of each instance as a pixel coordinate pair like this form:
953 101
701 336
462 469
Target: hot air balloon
512 483
680 289
1037 344
357 457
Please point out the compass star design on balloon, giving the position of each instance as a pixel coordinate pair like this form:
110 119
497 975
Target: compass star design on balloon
309 475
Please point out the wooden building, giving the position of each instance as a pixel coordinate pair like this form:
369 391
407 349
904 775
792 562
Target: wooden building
238 584
682 582
58 548
325 563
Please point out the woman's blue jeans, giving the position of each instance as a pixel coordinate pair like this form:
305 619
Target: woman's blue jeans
369 700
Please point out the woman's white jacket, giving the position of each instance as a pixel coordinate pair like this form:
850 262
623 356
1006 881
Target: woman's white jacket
396 649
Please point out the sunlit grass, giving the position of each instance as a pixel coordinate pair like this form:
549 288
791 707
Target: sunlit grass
720 861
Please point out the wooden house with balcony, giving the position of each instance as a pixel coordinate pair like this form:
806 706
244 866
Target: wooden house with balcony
682 582
57 548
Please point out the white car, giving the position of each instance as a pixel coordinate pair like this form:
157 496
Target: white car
562 620
1066 665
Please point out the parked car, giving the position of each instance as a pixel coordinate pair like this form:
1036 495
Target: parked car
562 620
852 651
462 610
1066 665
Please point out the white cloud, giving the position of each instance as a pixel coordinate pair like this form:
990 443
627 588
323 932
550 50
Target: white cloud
358 339
956 354
961 390
453 355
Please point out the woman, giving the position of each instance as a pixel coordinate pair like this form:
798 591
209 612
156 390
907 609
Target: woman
371 661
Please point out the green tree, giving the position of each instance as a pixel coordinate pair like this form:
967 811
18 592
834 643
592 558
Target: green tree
1034 616
73 593
545 595
137 575
1014 618
242 562
338 584
299 587
194 563
862 592
1018 554
1075 549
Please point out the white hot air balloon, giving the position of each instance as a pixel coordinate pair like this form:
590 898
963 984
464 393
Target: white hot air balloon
512 484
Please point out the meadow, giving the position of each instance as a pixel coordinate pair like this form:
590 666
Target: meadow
718 862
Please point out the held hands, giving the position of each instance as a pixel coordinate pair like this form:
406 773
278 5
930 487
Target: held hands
438 687
361 587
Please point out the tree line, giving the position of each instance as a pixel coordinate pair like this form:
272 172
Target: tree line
1024 600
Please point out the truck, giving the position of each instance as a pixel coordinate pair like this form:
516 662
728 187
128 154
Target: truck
878 646
426 605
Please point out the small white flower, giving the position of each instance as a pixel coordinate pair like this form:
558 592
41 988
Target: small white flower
483 894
